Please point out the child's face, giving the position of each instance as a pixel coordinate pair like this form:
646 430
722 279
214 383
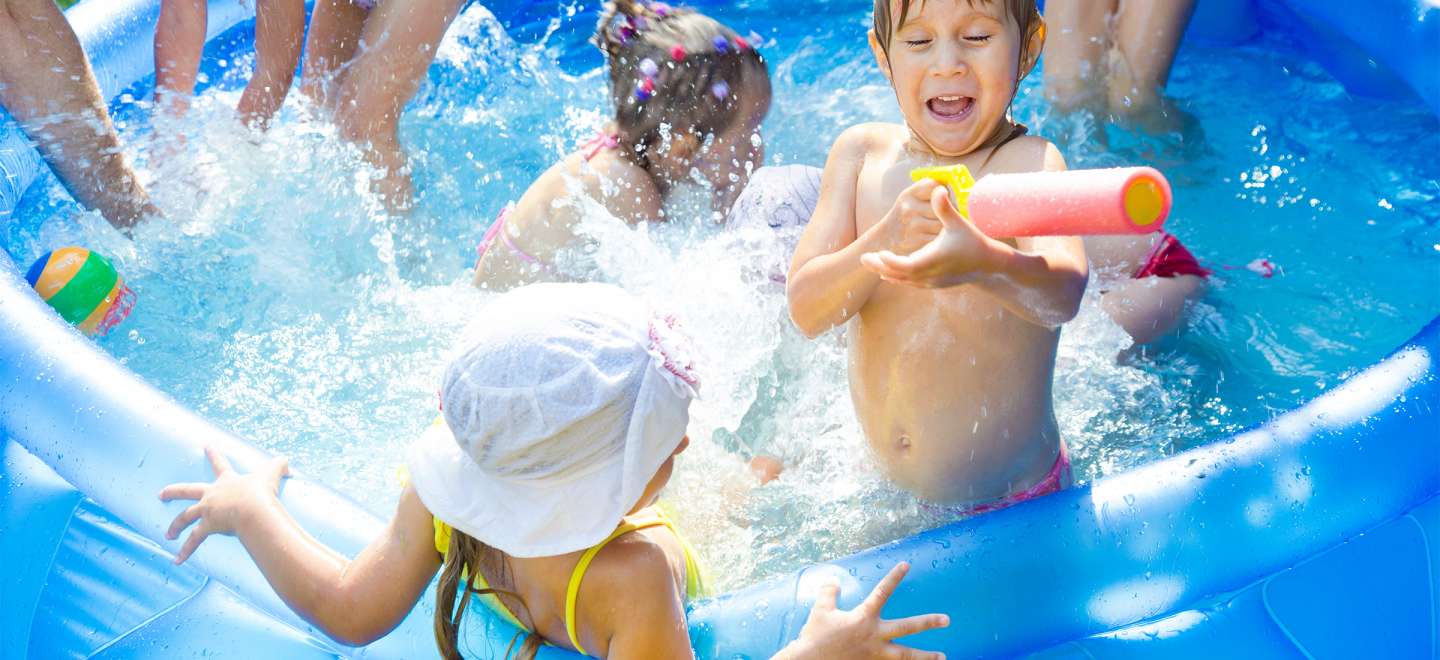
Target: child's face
954 68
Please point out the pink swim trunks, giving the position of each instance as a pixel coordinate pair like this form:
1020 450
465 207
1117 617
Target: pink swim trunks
1059 478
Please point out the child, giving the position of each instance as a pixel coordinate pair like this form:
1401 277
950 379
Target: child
562 416
689 96
1146 281
180 38
950 376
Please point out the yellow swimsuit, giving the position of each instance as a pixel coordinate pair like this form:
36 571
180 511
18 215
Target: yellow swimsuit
653 516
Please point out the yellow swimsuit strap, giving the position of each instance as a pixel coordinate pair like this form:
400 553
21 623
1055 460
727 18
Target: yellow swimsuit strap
643 520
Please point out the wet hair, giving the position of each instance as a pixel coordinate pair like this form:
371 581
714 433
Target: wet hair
457 585
1025 13
684 97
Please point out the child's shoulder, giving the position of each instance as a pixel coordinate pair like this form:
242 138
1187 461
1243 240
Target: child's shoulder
635 578
647 556
1027 153
871 137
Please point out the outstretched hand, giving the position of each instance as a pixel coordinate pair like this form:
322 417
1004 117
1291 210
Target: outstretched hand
832 633
221 506
958 254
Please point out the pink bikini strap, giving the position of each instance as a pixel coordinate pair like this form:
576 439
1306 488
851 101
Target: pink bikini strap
600 142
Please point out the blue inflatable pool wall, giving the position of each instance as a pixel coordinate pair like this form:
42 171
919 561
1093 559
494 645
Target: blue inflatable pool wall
1310 536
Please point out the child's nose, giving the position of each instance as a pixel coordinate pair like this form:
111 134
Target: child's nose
950 61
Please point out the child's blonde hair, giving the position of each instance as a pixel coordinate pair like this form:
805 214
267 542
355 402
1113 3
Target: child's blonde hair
674 70
457 585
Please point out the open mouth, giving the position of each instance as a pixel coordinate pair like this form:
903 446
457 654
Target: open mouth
950 108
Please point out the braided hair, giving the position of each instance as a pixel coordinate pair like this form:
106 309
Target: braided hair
674 70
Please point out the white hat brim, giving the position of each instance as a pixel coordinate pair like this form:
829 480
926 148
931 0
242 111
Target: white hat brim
528 519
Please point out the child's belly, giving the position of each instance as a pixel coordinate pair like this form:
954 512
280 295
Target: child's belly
953 393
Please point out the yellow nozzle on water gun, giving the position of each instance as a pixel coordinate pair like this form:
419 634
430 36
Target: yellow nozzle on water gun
956 177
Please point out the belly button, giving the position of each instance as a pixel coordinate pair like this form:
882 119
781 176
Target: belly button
902 443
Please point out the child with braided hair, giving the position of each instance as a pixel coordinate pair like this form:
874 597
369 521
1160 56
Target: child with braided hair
689 95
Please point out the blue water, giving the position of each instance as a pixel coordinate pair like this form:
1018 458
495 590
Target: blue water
279 300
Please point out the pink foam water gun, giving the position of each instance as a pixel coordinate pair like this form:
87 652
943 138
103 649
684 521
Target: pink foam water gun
1126 200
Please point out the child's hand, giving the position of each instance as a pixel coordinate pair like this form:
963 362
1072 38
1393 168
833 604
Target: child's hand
958 254
860 633
222 505
912 222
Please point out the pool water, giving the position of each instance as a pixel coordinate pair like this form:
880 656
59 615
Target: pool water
280 301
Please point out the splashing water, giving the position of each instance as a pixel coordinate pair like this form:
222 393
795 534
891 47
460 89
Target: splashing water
278 299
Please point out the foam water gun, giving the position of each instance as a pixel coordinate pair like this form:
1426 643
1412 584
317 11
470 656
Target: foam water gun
1126 200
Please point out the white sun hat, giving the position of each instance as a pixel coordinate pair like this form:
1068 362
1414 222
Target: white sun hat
559 405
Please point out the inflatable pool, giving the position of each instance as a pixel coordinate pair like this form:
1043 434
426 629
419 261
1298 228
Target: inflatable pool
1308 536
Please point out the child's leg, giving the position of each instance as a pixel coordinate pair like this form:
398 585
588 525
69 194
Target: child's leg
335 28
400 40
179 40
1150 307
47 85
279 30
1077 37
1147 35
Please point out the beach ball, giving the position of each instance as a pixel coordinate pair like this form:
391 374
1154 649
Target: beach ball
83 287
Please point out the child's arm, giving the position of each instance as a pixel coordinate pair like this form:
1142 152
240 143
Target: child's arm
827 284
355 601
179 40
279 35
832 634
1039 279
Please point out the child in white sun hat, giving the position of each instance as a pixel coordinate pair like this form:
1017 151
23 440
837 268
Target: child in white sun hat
562 412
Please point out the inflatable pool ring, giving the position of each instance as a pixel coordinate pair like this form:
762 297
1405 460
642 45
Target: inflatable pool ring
1125 200
83 287
1257 541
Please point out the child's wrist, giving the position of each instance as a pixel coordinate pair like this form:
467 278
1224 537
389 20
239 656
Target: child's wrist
996 257
253 514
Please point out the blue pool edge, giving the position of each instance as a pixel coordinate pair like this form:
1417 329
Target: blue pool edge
1172 556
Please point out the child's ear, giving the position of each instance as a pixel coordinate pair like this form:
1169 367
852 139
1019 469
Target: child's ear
880 57
1033 46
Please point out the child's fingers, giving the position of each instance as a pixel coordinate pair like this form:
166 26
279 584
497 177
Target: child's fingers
882 592
217 462
192 542
279 469
897 652
913 624
873 261
827 596
888 272
189 515
183 492
923 189
890 266
945 211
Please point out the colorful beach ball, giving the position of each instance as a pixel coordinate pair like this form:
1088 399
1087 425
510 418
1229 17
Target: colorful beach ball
83 287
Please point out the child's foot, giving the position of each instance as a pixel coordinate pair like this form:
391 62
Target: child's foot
766 468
